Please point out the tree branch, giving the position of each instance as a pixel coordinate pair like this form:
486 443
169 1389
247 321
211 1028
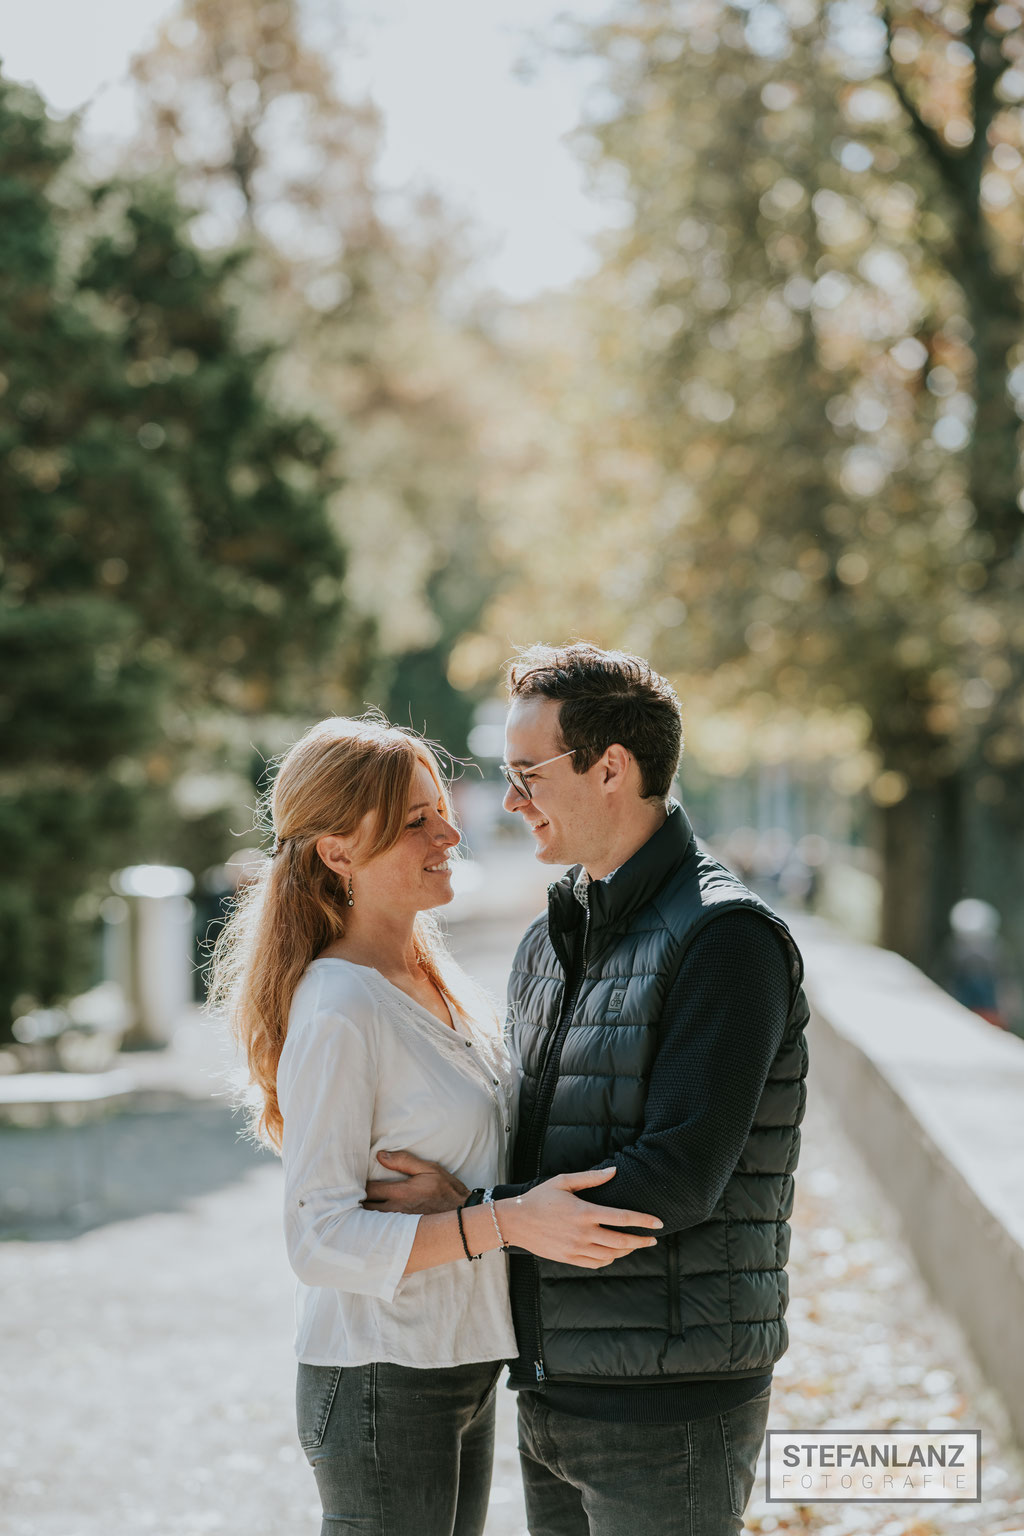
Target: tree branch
989 63
947 165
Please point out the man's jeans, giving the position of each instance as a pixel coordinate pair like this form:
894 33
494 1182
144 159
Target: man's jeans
584 1477
398 1451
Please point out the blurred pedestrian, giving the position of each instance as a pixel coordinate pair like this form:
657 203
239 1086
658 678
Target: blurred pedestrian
973 962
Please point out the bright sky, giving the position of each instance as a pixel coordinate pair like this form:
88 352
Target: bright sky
458 114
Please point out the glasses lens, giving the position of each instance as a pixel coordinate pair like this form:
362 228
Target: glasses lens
514 777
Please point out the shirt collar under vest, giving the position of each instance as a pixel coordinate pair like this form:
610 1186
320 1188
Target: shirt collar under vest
613 900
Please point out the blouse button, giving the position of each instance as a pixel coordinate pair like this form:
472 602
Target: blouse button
469 1045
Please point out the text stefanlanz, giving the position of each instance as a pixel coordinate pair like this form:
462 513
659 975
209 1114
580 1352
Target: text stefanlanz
846 1455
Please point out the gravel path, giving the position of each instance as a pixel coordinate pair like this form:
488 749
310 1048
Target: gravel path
148 1371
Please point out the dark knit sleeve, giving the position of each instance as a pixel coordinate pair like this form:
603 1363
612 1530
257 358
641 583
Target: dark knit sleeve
505 1191
723 1022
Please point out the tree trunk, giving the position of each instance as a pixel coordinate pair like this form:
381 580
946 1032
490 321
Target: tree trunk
923 870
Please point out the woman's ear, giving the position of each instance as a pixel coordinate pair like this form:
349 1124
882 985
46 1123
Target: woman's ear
335 853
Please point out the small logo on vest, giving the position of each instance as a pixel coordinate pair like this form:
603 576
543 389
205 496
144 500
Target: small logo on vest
616 1000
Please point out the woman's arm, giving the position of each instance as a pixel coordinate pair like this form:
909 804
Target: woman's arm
327 1086
548 1220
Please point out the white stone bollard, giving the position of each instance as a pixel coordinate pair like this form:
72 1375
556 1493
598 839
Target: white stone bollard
156 960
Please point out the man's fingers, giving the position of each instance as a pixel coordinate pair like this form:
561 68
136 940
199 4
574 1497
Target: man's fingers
396 1193
588 1178
380 1189
389 1190
405 1162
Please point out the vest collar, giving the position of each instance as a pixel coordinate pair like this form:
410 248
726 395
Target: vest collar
613 901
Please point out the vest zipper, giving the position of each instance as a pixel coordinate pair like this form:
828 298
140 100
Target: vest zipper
541 1110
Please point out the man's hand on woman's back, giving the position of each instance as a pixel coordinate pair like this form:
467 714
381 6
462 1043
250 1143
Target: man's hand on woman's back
423 1190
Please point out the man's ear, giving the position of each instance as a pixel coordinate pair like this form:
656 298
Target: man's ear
615 765
336 853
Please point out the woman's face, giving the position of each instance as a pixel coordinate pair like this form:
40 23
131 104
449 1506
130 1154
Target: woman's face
416 873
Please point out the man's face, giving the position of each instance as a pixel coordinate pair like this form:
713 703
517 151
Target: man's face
566 812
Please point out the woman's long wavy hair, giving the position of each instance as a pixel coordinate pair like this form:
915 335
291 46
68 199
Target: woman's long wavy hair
296 906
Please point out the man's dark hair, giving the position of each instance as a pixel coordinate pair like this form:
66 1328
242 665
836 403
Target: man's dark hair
606 697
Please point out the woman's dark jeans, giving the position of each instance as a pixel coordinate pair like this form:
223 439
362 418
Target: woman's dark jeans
583 1477
398 1451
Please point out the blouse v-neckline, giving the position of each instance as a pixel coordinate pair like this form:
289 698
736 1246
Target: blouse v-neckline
451 1028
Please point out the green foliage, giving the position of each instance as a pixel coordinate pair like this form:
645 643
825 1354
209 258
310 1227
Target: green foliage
166 543
228 522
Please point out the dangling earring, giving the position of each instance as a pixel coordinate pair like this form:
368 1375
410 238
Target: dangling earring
351 898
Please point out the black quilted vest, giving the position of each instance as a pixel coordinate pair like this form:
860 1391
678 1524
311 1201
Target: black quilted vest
705 1302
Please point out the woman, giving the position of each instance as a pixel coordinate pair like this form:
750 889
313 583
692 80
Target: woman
362 1034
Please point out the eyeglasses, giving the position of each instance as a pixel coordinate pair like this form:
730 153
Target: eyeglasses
516 777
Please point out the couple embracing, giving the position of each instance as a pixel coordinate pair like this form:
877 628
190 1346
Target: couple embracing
631 1150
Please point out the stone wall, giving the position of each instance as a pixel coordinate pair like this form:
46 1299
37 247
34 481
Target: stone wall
933 1098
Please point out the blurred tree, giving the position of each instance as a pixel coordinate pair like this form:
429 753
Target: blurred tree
243 98
958 76
773 377
778 280
165 540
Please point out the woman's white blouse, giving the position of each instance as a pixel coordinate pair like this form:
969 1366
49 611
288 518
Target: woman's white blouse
366 1069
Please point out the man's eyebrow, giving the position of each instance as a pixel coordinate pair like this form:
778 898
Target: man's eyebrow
521 762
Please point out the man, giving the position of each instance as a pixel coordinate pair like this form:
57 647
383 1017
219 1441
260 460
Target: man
658 1027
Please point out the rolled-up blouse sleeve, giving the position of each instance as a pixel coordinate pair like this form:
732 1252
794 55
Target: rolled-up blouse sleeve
326 1084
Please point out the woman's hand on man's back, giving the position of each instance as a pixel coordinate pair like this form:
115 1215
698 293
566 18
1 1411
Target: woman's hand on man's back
549 1221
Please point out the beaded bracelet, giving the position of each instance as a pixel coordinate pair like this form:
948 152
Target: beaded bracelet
462 1233
489 1202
